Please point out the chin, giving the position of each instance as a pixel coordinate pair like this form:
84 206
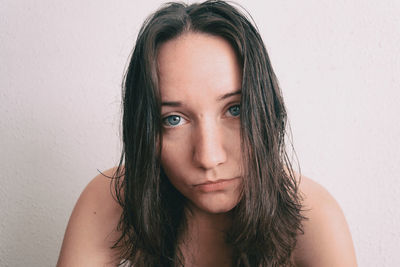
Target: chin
220 210
215 204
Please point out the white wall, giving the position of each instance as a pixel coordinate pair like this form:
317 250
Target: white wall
61 68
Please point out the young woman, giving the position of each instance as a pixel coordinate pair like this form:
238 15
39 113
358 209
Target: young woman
204 178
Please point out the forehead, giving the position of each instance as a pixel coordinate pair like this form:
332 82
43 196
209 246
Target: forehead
196 63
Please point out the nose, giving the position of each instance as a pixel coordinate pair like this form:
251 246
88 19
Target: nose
209 150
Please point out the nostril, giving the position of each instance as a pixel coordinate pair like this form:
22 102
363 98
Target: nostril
208 155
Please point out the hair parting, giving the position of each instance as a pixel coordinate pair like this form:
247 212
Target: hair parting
267 217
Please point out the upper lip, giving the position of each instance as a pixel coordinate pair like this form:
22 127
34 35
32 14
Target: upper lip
208 181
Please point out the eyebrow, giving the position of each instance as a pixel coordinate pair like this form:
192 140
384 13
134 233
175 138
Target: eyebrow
220 98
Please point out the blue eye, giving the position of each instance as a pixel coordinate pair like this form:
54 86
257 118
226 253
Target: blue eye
172 120
234 110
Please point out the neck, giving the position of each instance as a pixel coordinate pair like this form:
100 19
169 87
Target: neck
211 221
203 242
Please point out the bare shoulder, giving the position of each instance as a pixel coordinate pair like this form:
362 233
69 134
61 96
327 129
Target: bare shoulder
91 229
327 240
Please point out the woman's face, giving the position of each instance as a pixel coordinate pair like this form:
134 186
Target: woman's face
200 82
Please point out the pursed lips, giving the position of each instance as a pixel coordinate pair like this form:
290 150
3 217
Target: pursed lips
215 181
215 185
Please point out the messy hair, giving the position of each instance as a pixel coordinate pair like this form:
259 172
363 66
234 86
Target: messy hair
267 218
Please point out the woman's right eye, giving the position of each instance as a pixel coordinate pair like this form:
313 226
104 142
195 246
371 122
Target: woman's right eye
173 120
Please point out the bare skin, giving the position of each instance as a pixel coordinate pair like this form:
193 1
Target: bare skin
90 232
91 228
200 82
327 240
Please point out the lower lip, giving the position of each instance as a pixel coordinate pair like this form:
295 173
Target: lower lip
210 187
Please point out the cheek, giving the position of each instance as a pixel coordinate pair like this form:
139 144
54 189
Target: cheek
174 161
233 147
174 158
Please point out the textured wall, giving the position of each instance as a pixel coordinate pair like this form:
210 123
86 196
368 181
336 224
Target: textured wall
61 67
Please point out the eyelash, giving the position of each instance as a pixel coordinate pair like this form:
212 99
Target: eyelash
165 119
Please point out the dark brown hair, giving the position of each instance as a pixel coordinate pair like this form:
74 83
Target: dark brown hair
267 218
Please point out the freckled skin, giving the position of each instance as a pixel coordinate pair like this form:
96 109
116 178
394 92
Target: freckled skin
196 70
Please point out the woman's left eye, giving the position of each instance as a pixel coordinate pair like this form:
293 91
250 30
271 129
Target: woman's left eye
234 110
